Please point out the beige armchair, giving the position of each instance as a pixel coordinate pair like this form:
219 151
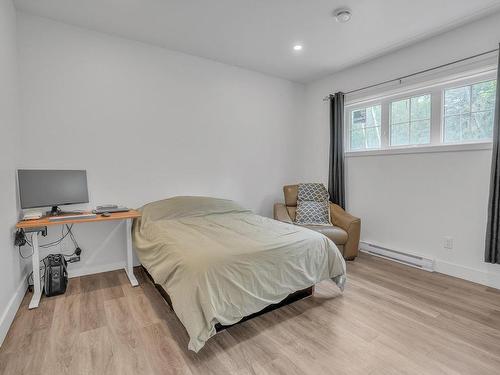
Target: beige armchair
344 232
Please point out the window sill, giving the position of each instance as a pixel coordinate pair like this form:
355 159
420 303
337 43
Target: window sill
423 149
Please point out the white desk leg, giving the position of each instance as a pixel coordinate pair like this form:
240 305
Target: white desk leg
130 259
35 259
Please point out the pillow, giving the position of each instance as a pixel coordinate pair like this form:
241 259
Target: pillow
313 213
313 206
315 192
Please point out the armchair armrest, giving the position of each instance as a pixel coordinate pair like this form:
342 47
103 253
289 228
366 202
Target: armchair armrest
280 213
349 223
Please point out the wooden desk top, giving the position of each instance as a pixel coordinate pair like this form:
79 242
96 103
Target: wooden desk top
45 222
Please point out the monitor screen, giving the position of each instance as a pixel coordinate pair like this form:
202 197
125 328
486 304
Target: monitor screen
45 188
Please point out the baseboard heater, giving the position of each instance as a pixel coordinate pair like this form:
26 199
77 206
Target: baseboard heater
398 256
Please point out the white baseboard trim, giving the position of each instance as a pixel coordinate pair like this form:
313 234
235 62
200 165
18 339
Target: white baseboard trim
491 279
83 271
409 259
9 313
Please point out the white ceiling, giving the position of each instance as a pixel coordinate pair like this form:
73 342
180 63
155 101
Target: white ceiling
259 34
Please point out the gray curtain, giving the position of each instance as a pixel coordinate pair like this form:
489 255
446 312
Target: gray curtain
336 183
492 254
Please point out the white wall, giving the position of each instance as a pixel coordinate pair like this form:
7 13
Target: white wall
148 123
410 202
11 268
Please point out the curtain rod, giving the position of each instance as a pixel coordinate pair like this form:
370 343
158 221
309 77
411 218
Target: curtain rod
416 73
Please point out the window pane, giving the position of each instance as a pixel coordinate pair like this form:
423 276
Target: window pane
452 129
373 137
400 134
410 121
365 128
421 107
458 129
482 124
373 116
457 101
475 104
358 119
468 133
483 96
358 125
400 111
420 132
357 139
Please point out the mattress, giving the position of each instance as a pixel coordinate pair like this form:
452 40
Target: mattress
219 262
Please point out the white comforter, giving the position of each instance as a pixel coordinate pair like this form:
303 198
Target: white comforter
220 262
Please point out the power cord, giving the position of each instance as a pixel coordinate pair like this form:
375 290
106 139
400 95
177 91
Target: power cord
29 278
53 243
78 250
21 240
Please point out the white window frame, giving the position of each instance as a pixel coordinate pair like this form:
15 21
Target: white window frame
409 97
347 137
463 84
436 89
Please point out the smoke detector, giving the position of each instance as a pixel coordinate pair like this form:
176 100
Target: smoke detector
342 15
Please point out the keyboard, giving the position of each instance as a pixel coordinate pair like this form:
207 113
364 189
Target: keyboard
101 210
71 217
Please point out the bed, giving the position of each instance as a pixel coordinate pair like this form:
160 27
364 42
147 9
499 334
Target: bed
219 262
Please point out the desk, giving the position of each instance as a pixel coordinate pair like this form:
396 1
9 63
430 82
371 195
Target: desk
37 225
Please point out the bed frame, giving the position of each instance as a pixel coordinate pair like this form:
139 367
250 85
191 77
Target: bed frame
296 296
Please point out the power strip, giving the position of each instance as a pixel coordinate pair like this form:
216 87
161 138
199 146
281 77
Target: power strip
74 259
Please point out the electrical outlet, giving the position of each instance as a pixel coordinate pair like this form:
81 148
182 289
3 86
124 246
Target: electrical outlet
448 243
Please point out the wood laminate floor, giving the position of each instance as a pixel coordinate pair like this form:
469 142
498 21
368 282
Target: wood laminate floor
391 319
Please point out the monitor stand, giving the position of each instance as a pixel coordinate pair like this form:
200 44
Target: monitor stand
56 211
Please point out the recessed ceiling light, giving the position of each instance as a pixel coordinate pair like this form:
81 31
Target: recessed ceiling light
298 47
342 15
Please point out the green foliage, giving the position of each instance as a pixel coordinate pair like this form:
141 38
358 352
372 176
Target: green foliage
365 128
410 121
469 112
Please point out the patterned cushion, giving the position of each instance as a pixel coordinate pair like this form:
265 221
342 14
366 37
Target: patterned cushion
315 192
313 206
313 213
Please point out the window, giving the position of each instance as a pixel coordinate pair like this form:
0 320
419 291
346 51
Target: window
451 110
366 128
469 112
411 121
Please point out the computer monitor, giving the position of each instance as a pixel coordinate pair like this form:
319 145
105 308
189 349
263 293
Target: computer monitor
52 188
